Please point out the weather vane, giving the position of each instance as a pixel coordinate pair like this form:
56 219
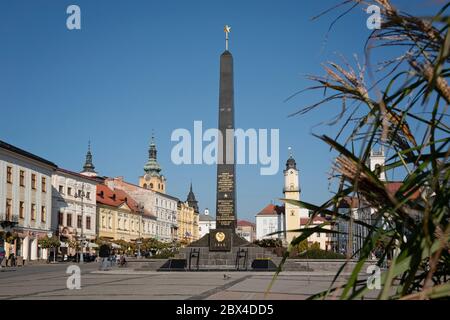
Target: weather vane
227 30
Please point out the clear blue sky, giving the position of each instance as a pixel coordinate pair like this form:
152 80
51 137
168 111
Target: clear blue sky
142 65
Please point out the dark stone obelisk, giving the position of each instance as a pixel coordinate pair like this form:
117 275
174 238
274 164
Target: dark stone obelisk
224 237
221 239
226 170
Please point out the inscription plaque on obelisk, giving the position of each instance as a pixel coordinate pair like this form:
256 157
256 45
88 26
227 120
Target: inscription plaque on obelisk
221 238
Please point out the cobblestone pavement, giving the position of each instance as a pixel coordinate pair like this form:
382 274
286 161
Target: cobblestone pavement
49 282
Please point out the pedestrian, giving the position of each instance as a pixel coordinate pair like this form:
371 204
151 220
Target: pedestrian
2 256
104 253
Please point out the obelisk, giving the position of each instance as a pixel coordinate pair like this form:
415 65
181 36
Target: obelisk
221 238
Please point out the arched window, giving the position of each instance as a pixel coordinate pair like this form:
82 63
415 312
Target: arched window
145 186
151 185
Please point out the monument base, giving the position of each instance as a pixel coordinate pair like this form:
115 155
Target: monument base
199 257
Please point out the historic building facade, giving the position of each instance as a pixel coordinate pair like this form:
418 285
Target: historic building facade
145 198
74 213
25 202
119 215
246 230
270 220
187 223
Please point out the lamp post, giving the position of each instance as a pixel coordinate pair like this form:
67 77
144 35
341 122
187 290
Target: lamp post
81 196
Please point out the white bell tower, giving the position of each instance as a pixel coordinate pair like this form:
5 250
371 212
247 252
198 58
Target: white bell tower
376 162
291 190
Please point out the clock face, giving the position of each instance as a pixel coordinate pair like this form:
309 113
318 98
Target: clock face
292 172
147 177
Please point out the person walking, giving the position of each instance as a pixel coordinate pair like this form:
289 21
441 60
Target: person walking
2 256
104 253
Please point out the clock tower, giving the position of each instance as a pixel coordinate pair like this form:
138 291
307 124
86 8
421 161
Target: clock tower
291 191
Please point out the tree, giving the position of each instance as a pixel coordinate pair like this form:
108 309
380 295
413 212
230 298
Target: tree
47 243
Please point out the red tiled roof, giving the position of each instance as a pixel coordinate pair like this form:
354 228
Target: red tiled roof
271 210
115 198
393 187
245 223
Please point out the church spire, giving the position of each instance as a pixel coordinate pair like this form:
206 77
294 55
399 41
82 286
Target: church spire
191 200
89 168
152 166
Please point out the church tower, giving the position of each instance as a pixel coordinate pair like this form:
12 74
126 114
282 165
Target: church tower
88 168
193 203
376 162
152 178
291 190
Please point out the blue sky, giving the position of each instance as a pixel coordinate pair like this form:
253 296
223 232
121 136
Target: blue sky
137 66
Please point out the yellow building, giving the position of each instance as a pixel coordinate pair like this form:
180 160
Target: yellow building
118 215
187 220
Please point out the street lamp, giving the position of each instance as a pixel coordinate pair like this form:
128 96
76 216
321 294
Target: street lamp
81 195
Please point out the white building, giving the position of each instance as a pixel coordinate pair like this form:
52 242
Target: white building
25 201
166 217
74 208
270 220
205 223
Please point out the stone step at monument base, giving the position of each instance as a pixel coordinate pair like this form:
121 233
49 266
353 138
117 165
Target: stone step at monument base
204 259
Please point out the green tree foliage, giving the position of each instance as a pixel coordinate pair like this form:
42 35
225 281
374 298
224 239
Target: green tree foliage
47 243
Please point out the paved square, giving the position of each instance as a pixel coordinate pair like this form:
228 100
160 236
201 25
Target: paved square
49 282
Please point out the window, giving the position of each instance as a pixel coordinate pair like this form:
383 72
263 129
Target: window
21 210
33 211
88 195
44 184
109 222
8 210
318 234
60 218
103 222
151 185
33 181
69 191
22 178
43 214
88 223
61 189
79 222
9 174
145 186
69 219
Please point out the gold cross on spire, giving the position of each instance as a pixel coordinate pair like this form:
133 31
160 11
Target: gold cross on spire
227 30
